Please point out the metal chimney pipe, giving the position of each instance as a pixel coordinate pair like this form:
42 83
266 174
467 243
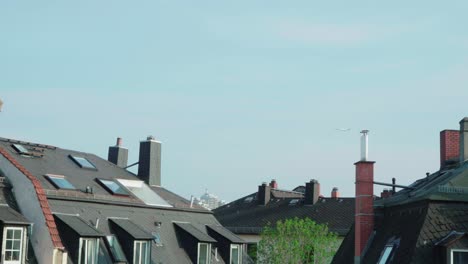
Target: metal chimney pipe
364 145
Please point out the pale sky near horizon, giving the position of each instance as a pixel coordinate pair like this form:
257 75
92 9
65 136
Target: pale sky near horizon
239 92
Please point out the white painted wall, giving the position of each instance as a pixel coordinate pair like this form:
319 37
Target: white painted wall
25 196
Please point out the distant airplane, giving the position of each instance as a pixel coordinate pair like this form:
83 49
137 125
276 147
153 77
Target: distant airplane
343 129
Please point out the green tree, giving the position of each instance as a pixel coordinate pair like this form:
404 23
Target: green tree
297 241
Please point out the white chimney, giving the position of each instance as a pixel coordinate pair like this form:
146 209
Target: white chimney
364 148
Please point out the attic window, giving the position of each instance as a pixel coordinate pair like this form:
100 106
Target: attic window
20 149
82 162
60 182
386 254
113 187
144 193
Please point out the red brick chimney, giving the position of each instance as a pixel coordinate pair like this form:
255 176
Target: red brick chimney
274 184
364 210
449 146
386 193
335 194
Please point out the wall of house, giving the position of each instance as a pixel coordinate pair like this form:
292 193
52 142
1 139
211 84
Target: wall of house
26 198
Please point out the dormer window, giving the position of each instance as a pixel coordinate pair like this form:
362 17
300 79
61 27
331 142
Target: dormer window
14 244
60 182
129 233
204 250
82 162
458 256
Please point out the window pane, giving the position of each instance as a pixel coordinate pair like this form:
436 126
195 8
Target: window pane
234 254
60 182
16 245
137 253
8 255
460 257
203 254
15 255
83 162
386 254
113 187
144 192
17 234
143 252
116 249
10 234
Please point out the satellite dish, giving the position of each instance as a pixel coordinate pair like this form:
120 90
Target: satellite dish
1 104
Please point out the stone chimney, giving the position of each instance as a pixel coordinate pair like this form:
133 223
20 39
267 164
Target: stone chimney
149 161
364 209
449 147
335 194
118 154
263 194
463 139
274 184
312 192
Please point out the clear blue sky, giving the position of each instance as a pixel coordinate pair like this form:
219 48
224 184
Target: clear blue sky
239 92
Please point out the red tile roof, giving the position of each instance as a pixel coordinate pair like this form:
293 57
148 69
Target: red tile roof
50 222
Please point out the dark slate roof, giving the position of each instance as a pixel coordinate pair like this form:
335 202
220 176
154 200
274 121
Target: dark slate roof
196 233
10 216
53 160
79 225
153 220
226 234
99 207
245 216
132 229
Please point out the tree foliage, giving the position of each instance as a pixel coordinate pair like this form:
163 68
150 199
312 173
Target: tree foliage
296 241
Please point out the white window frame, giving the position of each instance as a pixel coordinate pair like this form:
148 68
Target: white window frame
147 243
239 257
208 252
22 245
456 250
83 242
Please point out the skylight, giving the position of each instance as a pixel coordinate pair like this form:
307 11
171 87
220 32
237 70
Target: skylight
60 182
144 193
20 149
82 162
113 187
